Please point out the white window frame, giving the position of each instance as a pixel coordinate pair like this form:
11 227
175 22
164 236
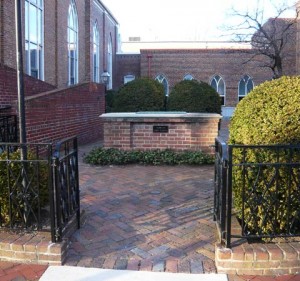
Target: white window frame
96 53
128 78
245 86
163 80
218 83
110 62
35 39
72 56
188 77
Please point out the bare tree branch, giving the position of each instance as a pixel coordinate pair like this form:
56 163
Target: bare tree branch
271 39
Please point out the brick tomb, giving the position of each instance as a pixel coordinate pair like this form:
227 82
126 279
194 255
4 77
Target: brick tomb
161 130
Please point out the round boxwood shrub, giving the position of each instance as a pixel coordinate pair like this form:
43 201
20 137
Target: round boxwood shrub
142 94
194 96
37 196
269 115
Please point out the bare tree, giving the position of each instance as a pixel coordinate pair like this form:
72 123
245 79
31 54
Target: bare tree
271 40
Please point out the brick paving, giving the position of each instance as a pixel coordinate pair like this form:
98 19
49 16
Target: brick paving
143 218
20 272
146 218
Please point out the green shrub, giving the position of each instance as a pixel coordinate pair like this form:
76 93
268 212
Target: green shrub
109 100
142 94
37 178
194 96
113 156
269 115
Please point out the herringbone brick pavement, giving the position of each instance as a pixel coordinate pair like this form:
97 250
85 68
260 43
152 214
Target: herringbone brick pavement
146 218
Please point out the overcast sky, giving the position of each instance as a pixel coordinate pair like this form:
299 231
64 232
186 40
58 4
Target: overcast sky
199 20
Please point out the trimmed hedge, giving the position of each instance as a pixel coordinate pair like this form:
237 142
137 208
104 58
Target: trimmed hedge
142 94
113 156
194 96
269 115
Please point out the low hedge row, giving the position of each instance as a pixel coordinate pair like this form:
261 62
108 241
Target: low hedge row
113 156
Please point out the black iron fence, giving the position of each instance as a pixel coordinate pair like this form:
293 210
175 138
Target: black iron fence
66 201
8 128
258 186
39 191
220 193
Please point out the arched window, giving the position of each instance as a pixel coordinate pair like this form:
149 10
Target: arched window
73 44
245 86
162 79
218 84
110 62
96 53
34 41
128 78
188 77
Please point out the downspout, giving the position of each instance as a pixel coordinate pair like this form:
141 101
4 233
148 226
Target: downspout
149 57
1 32
56 45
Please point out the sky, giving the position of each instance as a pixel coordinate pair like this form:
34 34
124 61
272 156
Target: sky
194 20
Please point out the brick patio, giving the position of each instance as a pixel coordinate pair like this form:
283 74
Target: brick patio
162 221
146 218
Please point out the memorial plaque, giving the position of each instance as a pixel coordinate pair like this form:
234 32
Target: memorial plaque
160 129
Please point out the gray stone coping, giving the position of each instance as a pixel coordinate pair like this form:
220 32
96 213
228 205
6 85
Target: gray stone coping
159 114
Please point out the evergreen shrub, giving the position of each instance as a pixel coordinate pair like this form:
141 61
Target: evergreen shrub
37 177
269 115
141 94
113 156
194 96
109 100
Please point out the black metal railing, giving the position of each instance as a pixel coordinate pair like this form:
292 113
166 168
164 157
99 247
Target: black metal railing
25 185
8 128
66 201
220 193
262 185
41 191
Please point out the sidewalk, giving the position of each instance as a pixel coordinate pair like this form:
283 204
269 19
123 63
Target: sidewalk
68 273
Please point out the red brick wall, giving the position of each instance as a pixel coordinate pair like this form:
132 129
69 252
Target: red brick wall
51 44
8 85
203 64
258 258
58 114
7 33
53 114
107 29
60 40
127 65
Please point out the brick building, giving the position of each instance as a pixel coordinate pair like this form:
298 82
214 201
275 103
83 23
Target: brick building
67 46
65 42
231 70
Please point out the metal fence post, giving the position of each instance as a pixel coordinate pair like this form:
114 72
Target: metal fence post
77 183
229 198
54 204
